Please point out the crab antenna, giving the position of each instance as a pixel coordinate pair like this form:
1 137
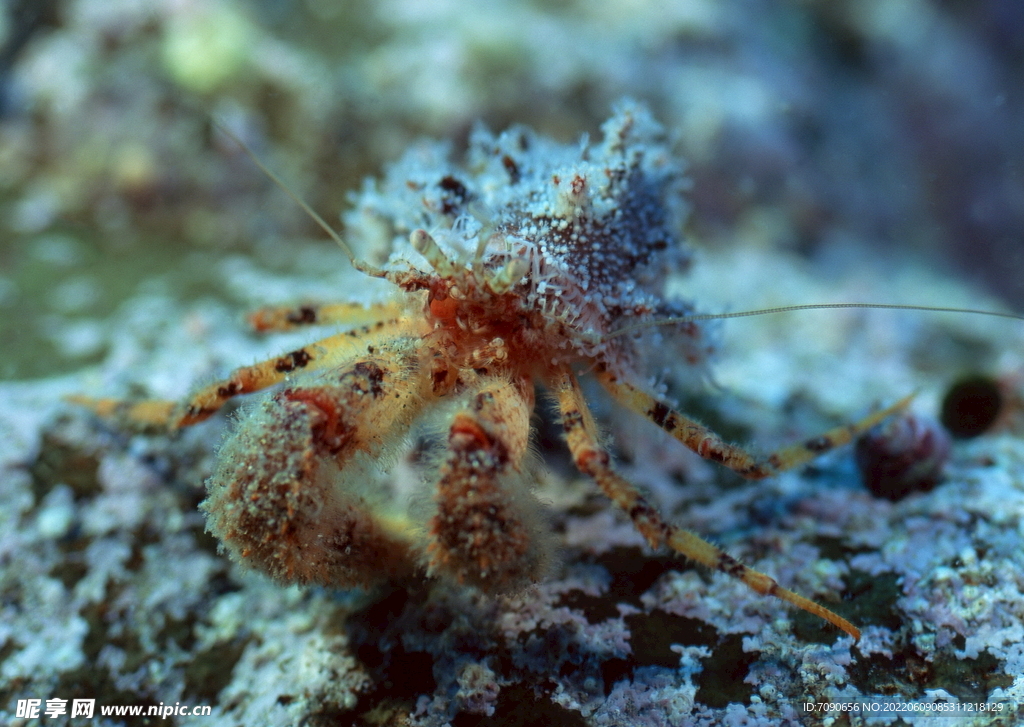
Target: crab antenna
810 306
358 264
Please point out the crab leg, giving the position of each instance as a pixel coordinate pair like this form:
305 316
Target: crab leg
591 459
709 445
284 499
160 414
484 532
289 318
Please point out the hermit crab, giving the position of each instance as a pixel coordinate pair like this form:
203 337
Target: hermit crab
528 266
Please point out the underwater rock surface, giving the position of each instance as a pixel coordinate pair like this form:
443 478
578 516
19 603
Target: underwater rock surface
112 590
819 138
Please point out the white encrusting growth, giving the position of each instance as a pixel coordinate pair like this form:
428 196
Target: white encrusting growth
583 233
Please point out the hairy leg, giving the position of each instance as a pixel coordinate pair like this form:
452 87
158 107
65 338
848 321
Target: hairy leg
484 532
286 498
289 318
325 353
709 445
591 459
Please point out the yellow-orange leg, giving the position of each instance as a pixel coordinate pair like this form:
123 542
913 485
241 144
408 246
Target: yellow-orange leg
709 445
591 459
484 532
171 415
289 318
285 501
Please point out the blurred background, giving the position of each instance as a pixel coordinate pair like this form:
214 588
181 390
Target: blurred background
847 132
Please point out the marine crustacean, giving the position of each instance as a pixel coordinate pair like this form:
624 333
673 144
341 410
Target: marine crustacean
531 262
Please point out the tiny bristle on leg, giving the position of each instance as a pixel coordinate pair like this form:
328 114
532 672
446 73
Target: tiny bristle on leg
701 551
285 498
289 318
591 459
157 414
149 413
485 530
274 505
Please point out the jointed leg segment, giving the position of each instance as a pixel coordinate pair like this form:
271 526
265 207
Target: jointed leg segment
710 446
592 459
245 380
282 499
289 318
483 532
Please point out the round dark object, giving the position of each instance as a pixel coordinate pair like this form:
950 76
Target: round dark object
904 455
971 406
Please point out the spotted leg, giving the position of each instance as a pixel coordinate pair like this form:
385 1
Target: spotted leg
485 531
591 459
160 414
288 318
709 445
287 498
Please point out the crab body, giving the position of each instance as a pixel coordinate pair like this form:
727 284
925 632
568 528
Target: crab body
518 268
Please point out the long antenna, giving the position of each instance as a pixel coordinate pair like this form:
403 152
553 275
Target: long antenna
360 265
810 306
